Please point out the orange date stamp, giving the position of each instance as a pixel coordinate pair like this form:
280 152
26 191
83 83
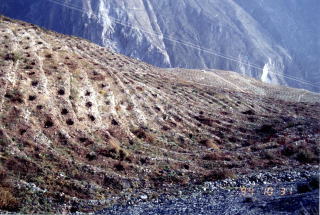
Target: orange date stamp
267 191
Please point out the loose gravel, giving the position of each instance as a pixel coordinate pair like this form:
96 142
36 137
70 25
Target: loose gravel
288 192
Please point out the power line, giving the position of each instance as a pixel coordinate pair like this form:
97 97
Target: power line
188 44
161 35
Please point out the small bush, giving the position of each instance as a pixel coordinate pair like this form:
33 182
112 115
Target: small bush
89 104
14 96
269 155
70 122
12 56
64 111
139 88
61 92
91 156
91 117
219 174
300 153
142 134
288 150
3 176
204 120
210 144
120 166
249 112
267 130
32 98
48 123
305 156
212 156
7 200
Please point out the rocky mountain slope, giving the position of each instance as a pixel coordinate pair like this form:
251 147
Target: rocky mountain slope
279 37
84 127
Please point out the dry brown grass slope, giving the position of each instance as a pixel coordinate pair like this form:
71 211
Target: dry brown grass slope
78 123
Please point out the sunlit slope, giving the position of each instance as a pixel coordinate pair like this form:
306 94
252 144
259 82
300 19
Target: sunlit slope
79 122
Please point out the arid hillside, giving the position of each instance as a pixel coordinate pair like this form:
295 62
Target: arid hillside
79 124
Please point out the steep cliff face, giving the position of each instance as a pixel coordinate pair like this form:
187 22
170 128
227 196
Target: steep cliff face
279 37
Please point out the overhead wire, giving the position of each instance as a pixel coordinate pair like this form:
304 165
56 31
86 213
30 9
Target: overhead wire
188 44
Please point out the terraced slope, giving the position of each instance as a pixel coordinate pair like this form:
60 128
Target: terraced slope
79 123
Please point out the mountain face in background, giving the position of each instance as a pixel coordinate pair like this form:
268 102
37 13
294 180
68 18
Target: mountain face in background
278 37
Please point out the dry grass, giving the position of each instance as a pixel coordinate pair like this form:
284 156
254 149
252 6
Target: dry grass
210 144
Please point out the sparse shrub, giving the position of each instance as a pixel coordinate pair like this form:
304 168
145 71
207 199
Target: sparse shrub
70 122
122 154
130 107
12 56
83 139
165 128
64 111
305 155
22 131
91 156
3 176
39 107
118 107
114 122
61 92
14 96
118 133
288 150
48 56
89 104
139 88
112 150
269 155
300 153
32 98
112 183
267 130
7 200
204 120
48 123
219 174
144 160
96 76
91 117
142 134
120 166
28 67
212 156
249 112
